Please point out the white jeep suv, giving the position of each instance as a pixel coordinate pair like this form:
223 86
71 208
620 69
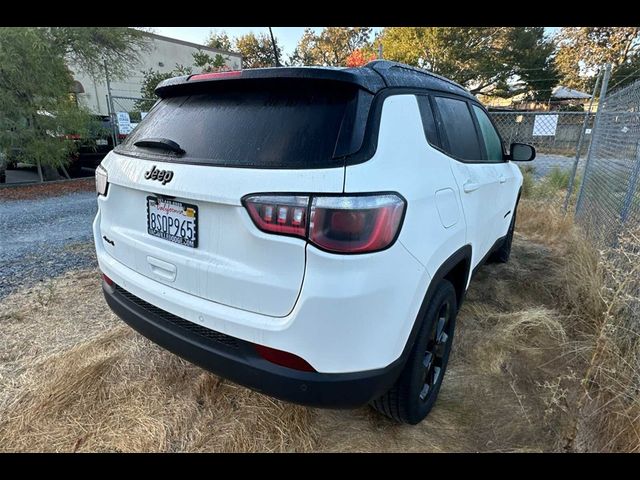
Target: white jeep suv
308 232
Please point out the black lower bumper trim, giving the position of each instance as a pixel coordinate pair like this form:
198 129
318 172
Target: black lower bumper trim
238 361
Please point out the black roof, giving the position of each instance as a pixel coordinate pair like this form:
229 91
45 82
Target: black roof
373 77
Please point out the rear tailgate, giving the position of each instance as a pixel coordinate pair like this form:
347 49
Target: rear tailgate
234 263
236 143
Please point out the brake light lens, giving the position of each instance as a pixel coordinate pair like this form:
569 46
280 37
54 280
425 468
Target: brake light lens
283 214
102 180
339 224
355 224
215 75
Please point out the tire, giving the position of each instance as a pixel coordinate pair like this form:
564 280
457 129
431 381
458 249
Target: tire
502 254
415 392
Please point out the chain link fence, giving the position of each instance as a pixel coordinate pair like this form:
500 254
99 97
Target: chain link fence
608 206
552 133
126 113
610 198
555 135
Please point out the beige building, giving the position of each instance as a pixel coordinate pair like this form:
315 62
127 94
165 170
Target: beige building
163 56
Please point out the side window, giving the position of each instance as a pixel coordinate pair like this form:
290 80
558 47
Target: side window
492 142
459 129
428 121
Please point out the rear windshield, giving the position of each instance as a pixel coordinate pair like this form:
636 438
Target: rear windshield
269 125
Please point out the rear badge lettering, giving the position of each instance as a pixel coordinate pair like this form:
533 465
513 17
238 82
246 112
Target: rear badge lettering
163 176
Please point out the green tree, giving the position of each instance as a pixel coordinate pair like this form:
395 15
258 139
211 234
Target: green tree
90 47
332 46
499 61
219 40
207 63
257 50
37 112
152 79
201 60
582 50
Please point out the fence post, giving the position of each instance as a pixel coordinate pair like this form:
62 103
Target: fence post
574 169
633 184
114 134
112 114
594 133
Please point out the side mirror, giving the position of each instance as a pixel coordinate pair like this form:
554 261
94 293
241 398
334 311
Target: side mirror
522 152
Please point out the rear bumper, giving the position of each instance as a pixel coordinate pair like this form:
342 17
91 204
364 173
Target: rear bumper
238 361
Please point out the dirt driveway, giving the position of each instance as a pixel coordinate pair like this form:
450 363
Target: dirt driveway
75 378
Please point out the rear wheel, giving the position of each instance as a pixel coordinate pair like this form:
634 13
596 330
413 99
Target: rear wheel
415 392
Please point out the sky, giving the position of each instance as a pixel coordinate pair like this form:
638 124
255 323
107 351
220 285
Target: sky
287 36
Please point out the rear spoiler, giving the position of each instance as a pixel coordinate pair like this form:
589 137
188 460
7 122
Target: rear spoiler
364 78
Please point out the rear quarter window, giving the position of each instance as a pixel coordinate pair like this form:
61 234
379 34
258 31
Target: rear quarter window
258 125
462 140
428 121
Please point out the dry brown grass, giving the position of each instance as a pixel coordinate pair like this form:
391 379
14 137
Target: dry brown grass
542 221
607 415
599 296
74 378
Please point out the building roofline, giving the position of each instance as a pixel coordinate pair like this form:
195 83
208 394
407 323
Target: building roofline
191 44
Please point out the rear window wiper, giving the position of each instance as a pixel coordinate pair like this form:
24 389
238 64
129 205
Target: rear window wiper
160 144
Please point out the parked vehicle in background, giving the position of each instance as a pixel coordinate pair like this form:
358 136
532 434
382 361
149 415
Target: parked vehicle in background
89 149
308 232
92 148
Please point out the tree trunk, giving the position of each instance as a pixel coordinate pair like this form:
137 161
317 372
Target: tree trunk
64 170
40 171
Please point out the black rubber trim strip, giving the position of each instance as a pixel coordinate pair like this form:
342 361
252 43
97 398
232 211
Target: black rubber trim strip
496 245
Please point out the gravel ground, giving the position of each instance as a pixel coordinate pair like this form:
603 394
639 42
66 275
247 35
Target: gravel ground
544 163
43 238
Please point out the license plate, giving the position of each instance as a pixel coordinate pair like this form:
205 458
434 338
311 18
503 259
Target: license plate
102 142
174 221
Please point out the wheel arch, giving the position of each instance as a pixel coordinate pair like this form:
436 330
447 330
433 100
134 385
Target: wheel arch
457 270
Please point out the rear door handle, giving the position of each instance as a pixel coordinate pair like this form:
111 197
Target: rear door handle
502 178
470 187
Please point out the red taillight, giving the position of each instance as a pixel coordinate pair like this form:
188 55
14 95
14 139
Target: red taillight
286 215
284 359
215 75
107 280
355 224
341 224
